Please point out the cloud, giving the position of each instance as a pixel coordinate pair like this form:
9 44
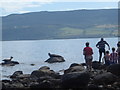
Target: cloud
86 1
18 6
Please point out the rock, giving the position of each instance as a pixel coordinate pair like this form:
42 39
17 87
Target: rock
44 68
75 80
45 84
17 85
10 63
32 64
15 74
74 68
114 69
96 65
74 64
44 71
55 58
105 78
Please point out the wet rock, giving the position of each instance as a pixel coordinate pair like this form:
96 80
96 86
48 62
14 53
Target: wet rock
55 58
74 64
115 69
75 80
17 85
44 71
9 63
74 68
96 65
105 78
44 68
15 74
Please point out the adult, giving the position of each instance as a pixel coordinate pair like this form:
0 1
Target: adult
101 46
87 52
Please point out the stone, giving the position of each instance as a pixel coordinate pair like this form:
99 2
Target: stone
74 68
10 63
105 78
96 65
75 80
44 71
15 74
114 69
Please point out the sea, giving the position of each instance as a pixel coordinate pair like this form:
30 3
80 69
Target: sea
35 52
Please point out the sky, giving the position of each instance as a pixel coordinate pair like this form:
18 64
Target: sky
8 7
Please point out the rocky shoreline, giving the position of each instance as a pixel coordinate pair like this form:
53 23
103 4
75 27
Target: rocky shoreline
76 76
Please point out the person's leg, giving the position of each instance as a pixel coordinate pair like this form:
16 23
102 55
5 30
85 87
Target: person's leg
86 61
104 51
90 65
100 56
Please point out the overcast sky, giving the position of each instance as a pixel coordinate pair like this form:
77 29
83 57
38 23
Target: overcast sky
24 6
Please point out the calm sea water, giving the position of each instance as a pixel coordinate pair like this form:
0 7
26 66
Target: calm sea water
36 52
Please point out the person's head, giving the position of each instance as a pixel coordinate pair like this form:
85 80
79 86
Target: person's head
102 39
11 57
87 44
118 44
113 49
107 52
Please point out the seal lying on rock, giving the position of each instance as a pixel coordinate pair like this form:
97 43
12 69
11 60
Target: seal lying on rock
9 62
8 59
54 58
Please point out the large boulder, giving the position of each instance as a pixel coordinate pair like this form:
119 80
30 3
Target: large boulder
105 78
10 63
55 58
16 73
44 71
114 69
74 68
75 80
96 65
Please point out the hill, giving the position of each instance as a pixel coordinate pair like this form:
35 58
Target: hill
60 24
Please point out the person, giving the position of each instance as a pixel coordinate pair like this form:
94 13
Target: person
88 52
107 58
118 51
101 46
113 56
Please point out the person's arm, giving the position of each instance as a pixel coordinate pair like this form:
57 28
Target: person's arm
107 45
97 45
92 51
84 51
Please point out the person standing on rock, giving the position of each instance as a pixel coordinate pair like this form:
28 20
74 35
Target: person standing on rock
101 46
88 52
113 56
118 51
107 58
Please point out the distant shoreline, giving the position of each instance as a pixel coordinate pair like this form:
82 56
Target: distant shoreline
60 38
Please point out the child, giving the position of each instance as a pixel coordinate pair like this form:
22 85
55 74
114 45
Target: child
107 58
88 52
113 56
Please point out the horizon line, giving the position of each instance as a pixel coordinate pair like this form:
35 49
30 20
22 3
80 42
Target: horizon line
57 11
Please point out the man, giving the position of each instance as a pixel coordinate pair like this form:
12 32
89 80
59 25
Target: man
87 52
101 46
